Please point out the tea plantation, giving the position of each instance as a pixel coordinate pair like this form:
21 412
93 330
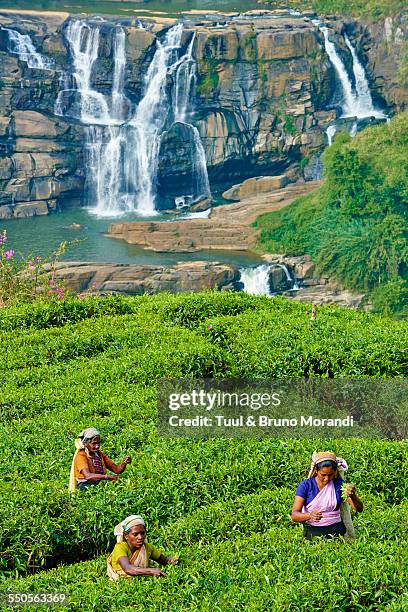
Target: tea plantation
223 505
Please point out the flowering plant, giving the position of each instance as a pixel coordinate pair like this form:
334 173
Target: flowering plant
27 279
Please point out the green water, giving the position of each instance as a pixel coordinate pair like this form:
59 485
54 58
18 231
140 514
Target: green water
42 235
172 7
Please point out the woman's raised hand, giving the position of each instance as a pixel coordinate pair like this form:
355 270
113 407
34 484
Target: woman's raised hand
350 490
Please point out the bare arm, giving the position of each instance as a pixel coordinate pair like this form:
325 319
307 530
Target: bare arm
301 517
131 570
116 469
95 477
354 501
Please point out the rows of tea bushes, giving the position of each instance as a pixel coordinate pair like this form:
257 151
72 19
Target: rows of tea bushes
264 565
224 504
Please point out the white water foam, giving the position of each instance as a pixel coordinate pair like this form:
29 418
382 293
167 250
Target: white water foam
22 46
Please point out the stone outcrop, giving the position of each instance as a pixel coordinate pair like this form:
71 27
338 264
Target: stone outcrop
255 186
313 287
228 228
131 279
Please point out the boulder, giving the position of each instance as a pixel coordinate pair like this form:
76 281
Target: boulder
254 186
6 212
139 279
30 209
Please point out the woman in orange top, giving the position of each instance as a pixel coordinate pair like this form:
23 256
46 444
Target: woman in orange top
89 464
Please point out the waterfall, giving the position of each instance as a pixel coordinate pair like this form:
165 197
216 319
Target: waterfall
118 84
330 132
356 103
122 145
184 91
148 123
184 82
200 174
256 280
363 97
22 46
349 100
92 107
289 278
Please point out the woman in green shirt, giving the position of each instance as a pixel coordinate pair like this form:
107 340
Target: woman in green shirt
132 553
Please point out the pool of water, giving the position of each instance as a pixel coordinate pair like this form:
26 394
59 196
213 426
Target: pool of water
43 235
172 7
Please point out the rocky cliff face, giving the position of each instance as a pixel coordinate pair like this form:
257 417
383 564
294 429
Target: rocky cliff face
262 90
382 46
263 87
40 154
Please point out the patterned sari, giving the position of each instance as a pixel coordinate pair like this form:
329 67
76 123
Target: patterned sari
138 559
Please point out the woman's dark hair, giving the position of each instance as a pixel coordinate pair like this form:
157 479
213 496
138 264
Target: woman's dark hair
326 463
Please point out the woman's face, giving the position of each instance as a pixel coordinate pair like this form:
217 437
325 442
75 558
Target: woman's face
325 474
136 537
94 445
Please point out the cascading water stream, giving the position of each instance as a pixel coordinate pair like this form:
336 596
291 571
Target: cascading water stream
364 101
148 123
22 46
356 102
123 146
349 99
256 280
184 89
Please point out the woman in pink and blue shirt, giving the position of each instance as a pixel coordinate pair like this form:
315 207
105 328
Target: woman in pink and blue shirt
318 499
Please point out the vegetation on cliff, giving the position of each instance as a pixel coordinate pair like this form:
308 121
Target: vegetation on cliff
222 504
355 227
358 8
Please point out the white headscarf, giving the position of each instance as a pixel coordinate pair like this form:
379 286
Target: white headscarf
126 525
88 434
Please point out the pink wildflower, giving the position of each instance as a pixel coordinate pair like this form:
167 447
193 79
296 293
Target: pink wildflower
9 254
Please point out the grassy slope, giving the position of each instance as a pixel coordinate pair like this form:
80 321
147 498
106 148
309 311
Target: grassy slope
355 226
223 504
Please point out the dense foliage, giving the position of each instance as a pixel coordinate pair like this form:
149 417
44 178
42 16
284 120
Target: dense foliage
222 504
355 226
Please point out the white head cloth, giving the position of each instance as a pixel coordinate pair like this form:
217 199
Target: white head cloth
125 526
86 435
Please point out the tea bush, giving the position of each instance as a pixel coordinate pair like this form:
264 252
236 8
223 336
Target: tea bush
223 504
